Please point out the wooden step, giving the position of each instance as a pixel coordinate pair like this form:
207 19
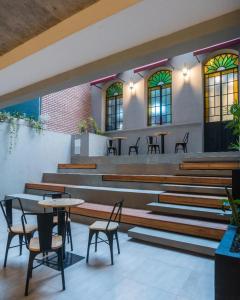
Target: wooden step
77 166
144 218
192 200
189 211
216 165
188 180
51 187
175 240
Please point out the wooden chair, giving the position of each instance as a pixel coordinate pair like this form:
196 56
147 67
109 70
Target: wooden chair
44 243
109 228
15 229
134 148
55 195
152 144
111 148
183 144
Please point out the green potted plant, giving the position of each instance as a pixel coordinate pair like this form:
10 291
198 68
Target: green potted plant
234 125
227 255
89 125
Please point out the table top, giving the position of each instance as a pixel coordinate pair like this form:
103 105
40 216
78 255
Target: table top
119 138
162 133
61 202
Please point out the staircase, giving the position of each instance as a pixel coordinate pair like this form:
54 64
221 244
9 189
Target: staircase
173 208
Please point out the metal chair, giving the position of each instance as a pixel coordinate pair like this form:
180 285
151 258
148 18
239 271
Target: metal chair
44 243
15 229
55 195
152 144
183 144
134 148
111 148
109 228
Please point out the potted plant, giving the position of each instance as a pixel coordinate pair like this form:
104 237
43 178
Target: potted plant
227 256
88 125
234 125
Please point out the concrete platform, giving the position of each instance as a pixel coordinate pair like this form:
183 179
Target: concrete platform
174 240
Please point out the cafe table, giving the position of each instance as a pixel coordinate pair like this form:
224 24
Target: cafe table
162 135
61 204
119 140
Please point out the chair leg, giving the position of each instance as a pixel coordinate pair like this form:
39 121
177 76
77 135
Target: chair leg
20 243
110 240
60 266
70 234
96 238
91 233
176 149
116 235
137 151
9 239
29 271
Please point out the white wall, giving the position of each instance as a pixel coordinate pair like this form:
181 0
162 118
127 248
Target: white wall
33 154
187 106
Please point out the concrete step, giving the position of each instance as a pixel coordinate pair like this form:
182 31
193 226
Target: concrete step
192 200
189 211
133 198
174 240
139 217
194 189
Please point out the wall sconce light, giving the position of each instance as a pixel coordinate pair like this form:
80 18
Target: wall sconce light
185 71
131 85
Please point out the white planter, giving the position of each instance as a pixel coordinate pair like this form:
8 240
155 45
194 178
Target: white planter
90 144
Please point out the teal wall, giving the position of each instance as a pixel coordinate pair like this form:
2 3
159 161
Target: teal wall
31 108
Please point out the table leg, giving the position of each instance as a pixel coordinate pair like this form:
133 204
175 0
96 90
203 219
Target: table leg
119 147
162 144
62 227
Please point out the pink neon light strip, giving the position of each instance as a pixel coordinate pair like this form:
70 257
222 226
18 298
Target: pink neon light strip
151 66
103 79
217 46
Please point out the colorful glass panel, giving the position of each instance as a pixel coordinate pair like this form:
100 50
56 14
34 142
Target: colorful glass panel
221 62
160 78
115 89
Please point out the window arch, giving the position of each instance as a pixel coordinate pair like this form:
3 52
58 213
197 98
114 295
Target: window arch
114 106
221 86
160 98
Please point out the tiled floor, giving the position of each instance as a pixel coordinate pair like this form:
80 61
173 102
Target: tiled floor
140 272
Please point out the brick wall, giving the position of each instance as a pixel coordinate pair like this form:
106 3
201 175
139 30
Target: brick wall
66 108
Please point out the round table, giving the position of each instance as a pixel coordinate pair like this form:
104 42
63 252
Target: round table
162 135
119 139
60 204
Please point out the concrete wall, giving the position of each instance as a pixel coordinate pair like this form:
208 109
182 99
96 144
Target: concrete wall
33 154
187 107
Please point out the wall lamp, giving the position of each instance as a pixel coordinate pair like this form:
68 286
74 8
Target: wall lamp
185 71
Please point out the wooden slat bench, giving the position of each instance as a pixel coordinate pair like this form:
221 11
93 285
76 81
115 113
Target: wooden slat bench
77 166
227 165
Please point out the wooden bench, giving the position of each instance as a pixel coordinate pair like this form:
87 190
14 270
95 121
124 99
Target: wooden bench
188 180
226 165
77 166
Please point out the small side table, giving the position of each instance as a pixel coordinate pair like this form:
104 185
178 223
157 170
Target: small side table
119 139
162 135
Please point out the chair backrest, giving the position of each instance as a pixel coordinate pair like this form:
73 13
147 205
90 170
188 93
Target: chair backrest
56 195
151 140
185 139
116 213
6 207
45 229
138 140
110 143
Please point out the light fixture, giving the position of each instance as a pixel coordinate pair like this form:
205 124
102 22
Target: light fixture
131 85
185 71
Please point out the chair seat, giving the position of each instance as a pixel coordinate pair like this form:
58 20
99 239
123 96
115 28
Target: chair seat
19 229
35 246
102 225
55 219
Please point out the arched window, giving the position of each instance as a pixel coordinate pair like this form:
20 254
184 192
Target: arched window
160 98
114 106
221 86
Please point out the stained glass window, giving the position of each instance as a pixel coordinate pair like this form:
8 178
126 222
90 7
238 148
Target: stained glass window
114 106
160 98
221 86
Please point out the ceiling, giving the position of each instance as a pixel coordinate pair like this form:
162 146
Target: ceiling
139 24
21 20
